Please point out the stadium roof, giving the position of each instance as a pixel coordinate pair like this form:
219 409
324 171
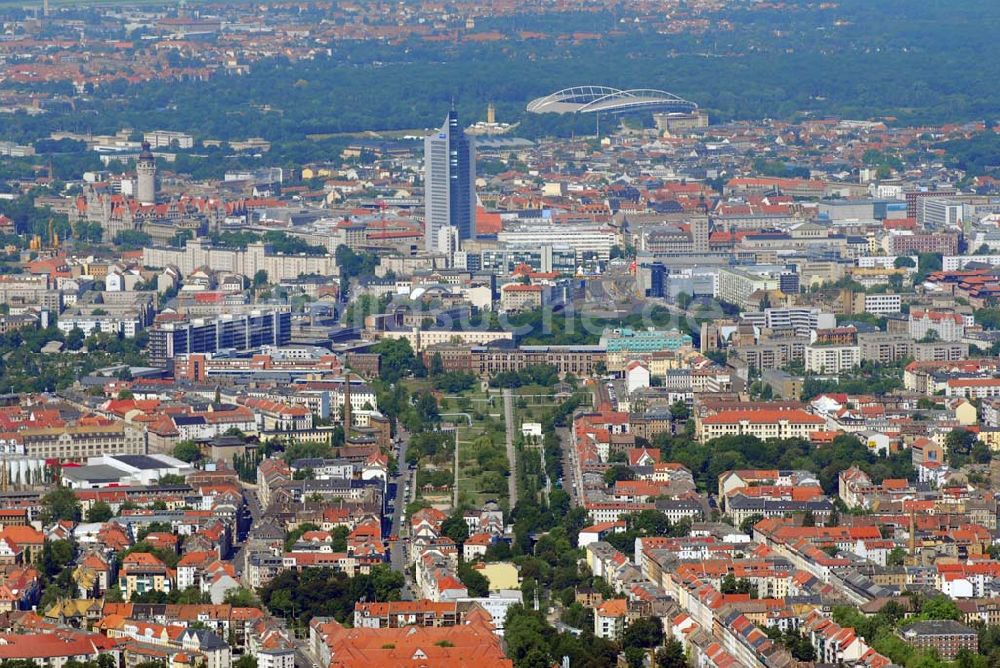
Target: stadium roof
593 99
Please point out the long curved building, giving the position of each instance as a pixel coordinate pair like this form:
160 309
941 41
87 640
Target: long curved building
602 99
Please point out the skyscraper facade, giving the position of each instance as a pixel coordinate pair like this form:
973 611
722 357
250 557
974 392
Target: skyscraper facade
449 186
657 280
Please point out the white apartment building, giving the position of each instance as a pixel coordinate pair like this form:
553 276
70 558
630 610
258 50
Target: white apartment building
940 212
420 339
948 326
764 424
596 240
256 257
611 619
736 286
126 325
77 442
497 604
277 657
823 358
958 262
882 261
166 139
883 304
886 190
199 428
973 388
800 319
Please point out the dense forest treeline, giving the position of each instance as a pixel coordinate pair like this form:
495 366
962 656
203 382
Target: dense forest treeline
919 62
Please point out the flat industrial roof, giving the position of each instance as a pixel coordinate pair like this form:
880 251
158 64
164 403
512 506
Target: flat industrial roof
94 473
141 462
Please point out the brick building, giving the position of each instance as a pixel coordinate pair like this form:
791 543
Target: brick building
945 636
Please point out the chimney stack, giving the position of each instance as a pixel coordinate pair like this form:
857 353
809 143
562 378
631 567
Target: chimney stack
348 419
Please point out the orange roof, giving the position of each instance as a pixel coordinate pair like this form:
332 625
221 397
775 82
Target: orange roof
63 643
23 535
389 607
519 287
470 644
603 526
616 607
488 223
142 559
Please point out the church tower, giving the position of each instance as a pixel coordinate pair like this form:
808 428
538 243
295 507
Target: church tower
145 168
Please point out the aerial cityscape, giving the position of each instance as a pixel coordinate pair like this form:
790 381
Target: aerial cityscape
518 334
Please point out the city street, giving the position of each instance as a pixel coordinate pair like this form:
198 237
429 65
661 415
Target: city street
508 415
571 478
303 656
397 550
572 473
254 508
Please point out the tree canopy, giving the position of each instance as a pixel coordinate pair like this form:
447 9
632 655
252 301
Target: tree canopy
60 504
322 592
100 511
187 451
708 461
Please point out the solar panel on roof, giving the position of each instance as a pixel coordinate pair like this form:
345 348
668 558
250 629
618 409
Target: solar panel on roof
140 461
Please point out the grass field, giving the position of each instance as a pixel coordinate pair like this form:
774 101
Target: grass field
482 460
482 453
477 417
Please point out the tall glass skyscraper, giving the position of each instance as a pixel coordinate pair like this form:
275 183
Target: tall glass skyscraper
449 186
